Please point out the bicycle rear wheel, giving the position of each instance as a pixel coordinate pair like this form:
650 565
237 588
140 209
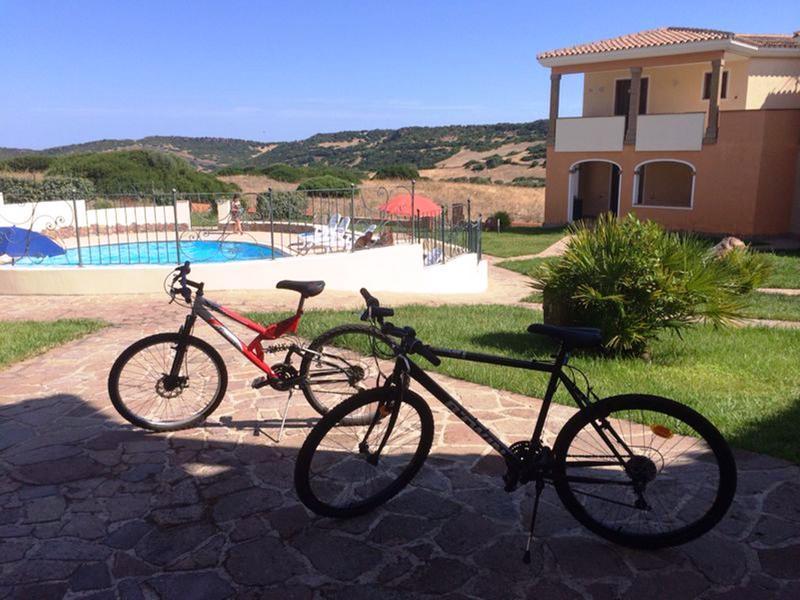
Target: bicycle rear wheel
344 361
644 471
344 470
142 392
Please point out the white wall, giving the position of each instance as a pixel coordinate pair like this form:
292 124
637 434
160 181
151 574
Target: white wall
396 269
595 134
59 213
670 132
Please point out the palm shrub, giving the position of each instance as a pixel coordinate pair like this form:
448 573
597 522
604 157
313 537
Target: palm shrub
634 280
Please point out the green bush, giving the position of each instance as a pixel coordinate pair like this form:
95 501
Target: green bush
49 188
142 171
27 162
402 171
502 219
494 161
325 185
528 181
633 280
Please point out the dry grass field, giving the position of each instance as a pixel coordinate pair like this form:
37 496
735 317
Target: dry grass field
525 205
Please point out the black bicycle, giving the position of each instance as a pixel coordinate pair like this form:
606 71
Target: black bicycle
638 470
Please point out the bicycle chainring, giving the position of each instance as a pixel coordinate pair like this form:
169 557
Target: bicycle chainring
285 377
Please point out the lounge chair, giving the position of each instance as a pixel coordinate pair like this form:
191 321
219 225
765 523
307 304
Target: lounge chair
318 238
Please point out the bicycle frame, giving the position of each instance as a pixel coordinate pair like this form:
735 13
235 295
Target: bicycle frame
203 308
405 364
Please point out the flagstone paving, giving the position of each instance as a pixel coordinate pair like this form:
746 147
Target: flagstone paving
92 508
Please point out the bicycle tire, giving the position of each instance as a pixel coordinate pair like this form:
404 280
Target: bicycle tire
334 418
717 445
171 338
321 341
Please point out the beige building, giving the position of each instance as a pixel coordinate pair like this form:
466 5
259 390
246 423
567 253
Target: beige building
695 128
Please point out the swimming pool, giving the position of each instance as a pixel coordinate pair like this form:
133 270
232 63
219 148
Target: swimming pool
157 253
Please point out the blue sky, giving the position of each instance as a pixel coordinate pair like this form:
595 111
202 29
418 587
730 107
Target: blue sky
84 70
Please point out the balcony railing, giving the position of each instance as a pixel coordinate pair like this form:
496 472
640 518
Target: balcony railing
590 134
682 131
663 132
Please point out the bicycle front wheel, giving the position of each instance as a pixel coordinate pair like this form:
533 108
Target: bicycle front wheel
343 361
344 470
644 471
143 392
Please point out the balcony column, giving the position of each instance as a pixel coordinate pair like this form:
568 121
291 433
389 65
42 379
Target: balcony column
633 106
713 102
555 89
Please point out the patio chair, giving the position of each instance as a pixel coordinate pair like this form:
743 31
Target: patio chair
434 257
319 237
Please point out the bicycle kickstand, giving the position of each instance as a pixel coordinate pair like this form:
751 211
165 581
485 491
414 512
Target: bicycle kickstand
526 557
285 413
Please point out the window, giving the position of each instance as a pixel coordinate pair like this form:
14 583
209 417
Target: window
707 86
664 184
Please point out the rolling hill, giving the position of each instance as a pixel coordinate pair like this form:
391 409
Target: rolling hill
367 150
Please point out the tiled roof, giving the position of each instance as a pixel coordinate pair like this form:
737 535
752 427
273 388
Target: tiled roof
667 36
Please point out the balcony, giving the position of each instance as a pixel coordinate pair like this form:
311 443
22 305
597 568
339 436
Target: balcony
664 132
590 134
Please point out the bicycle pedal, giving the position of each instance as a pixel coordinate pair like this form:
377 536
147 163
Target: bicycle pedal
259 382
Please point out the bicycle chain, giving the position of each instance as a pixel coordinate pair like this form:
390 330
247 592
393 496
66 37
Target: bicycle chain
277 348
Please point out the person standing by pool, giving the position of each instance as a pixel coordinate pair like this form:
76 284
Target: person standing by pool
236 214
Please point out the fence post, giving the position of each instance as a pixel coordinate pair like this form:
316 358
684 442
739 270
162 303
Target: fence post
478 248
444 218
77 225
175 214
413 214
271 224
352 217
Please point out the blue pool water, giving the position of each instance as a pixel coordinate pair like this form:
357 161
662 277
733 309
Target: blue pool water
157 253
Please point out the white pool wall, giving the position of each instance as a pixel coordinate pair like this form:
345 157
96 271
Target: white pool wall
393 269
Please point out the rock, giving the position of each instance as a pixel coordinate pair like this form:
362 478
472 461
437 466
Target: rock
246 502
49 508
339 557
781 562
197 586
587 558
661 586
90 576
466 532
262 562
125 537
438 576
727 245
162 546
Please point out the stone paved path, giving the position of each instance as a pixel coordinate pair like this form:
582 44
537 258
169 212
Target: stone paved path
91 508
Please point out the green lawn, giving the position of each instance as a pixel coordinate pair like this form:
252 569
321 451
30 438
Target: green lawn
22 339
786 270
526 266
519 241
774 306
741 379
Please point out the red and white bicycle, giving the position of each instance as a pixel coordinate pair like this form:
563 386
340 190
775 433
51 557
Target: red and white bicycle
172 381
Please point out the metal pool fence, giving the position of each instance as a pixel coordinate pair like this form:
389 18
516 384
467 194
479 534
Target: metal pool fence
170 228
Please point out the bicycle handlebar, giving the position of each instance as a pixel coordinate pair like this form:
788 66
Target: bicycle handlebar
407 334
180 276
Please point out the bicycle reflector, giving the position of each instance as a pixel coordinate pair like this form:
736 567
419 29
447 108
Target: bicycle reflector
661 431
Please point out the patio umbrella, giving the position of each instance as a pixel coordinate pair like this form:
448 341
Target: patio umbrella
16 242
401 205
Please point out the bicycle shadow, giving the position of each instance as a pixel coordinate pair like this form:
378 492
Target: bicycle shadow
90 503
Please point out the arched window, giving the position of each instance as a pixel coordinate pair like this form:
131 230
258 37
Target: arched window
664 183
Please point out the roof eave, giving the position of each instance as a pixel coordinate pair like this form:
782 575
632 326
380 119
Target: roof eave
727 45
